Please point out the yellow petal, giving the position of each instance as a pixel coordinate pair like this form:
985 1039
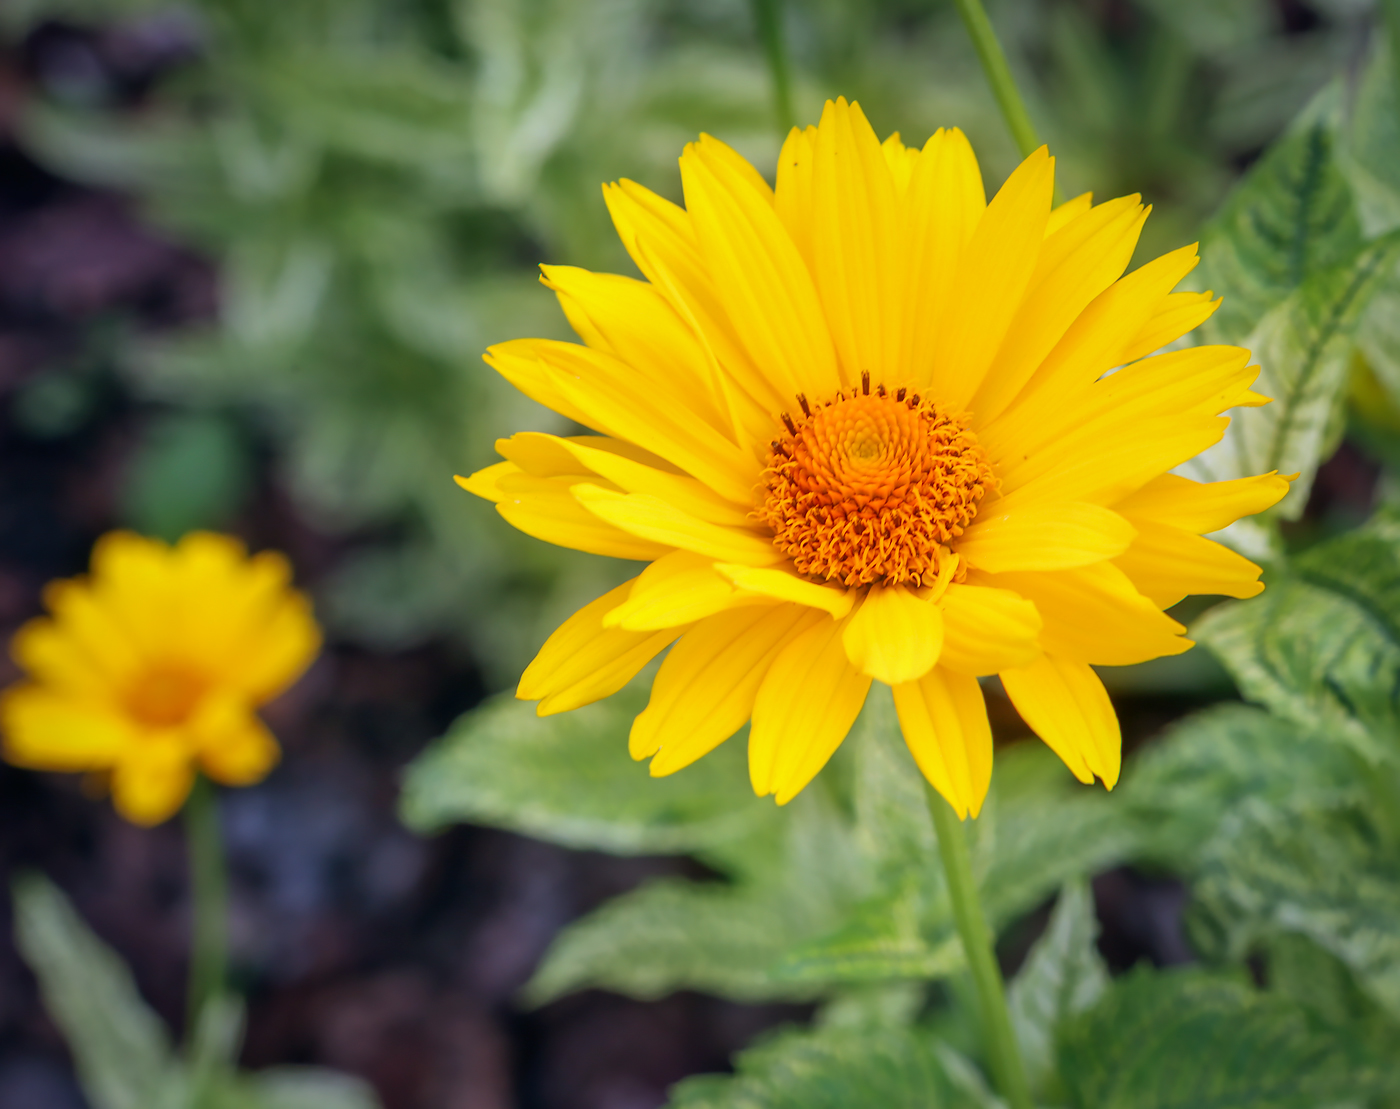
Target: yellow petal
584 662
659 236
1094 614
901 161
620 403
944 720
941 207
1203 506
705 689
760 278
792 195
678 589
152 780
1076 264
1092 346
992 275
855 244
45 730
1069 210
486 483
1161 405
806 704
1174 316
782 583
1166 564
630 319
651 518
1065 703
1038 535
987 630
518 362
234 747
546 509
895 635
687 494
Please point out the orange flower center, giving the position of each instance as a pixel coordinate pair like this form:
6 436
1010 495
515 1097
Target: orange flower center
164 697
870 488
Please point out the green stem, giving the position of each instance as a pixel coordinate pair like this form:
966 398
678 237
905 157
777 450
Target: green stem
1390 10
768 14
993 60
209 890
1003 1053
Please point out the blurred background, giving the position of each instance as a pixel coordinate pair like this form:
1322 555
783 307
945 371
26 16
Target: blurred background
250 255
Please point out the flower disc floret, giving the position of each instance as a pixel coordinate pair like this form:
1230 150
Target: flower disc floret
871 488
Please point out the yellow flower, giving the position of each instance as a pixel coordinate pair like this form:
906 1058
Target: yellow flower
153 666
867 426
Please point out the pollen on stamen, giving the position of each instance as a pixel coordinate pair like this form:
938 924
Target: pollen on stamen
871 488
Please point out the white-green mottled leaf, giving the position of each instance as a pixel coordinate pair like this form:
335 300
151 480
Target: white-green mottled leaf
1318 873
879 1068
1063 976
1321 646
1303 346
1189 1040
1370 147
1291 217
568 779
120 1047
1186 782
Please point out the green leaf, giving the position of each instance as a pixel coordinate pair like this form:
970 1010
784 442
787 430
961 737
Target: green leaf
1041 829
892 1068
1321 646
790 884
1184 784
1063 976
1189 1039
1303 345
568 779
119 1046
309 1088
1291 217
1370 149
1317 873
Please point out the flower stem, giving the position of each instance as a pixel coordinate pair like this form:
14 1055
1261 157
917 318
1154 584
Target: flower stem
209 888
1002 1050
768 14
993 59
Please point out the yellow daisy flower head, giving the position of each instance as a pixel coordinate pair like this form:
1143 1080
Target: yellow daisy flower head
153 666
868 426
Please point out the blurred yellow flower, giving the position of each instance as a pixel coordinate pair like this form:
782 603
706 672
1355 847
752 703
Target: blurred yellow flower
152 667
863 426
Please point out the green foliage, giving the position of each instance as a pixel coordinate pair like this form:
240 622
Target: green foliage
1186 1039
1316 873
1186 783
839 888
1321 646
1063 976
123 1055
894 1068
1297 276
189 472
568 779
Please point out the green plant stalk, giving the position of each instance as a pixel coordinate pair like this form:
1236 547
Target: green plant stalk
1390 11
768 15
993 59
209 889
1003 1053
